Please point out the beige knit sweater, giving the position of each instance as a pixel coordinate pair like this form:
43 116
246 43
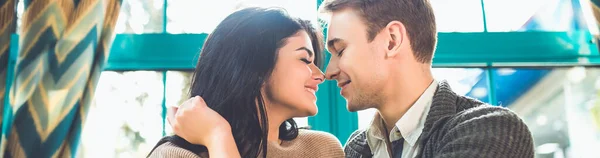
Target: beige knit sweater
308 144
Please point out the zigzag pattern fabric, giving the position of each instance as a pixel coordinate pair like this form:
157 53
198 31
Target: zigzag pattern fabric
63 46
8 25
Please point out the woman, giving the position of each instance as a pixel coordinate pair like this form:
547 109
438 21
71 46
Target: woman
258 70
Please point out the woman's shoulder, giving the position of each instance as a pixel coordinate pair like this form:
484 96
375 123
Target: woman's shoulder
171 150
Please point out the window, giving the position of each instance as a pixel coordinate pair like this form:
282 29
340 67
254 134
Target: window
140 16
124 119
208 14
533 15
458 16
561 107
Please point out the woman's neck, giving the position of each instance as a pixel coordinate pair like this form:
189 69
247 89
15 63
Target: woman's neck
274 122
276 117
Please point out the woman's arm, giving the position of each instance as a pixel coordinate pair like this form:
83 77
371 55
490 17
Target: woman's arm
214 133
223 146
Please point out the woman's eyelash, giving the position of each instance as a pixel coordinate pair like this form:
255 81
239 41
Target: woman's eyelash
306 61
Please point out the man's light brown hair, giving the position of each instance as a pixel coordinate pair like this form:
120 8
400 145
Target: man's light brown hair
416 15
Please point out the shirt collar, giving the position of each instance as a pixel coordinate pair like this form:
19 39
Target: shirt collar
410 125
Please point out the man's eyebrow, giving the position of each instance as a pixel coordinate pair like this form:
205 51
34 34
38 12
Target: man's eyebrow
331 43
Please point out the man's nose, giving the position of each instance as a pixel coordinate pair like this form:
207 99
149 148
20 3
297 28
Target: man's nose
332 71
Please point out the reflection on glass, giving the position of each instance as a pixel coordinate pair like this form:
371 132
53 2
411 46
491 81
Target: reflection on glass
560 106
140 16
587 10
458 16
193 16
125 118
470 82
533 15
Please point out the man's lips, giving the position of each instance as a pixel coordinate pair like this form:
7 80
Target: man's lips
342 84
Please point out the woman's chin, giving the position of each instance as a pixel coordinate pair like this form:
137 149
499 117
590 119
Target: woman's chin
312 110
307 112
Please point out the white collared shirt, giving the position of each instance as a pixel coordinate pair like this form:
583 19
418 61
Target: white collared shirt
410 126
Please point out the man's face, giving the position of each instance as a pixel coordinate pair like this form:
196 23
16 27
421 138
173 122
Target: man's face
356 63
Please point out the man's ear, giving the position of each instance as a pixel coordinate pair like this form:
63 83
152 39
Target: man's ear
394 36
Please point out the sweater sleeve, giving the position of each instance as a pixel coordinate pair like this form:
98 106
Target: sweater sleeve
486 132
169 150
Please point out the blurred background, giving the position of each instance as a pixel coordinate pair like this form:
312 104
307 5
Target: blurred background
538 58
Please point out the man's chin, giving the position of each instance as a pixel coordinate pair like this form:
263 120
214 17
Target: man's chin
355 108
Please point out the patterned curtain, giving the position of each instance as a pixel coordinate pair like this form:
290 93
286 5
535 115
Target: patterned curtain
8 25
63 45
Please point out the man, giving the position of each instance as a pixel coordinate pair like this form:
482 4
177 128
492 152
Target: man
381 54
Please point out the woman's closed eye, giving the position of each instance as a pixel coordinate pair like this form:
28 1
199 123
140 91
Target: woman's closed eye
306 61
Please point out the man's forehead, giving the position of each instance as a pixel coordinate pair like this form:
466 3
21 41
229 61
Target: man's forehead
334 31
343 22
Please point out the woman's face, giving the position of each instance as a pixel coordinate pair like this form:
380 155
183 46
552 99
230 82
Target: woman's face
295 78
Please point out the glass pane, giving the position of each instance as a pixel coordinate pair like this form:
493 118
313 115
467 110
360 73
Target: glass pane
193 16
178 85
458 16
470 82
561 107
20 11
140 16
534 15
125 118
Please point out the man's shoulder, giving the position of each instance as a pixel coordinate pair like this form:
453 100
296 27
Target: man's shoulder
360 134
486 112
484 128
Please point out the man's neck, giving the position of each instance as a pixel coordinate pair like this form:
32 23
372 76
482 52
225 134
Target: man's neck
402 94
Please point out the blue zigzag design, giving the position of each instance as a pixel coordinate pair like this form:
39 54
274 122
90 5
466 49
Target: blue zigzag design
2 2
75 134
4 62
27 3
30 140
47 40
58 70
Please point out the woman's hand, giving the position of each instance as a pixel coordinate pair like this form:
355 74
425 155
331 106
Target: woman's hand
198 124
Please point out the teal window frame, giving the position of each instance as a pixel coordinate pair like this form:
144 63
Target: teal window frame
179 52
